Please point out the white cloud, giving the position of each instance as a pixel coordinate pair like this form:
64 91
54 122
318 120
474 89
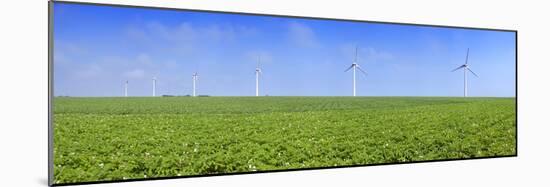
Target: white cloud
215 32
170 64
375 54
60 57
69 47
302 35
185 38
264 56
65 52
187 32
134 74
366 54
144 59
180 33
89 71
136 34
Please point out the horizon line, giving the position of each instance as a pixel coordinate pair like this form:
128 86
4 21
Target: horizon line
162 96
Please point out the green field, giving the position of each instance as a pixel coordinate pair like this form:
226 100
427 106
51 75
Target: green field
127 138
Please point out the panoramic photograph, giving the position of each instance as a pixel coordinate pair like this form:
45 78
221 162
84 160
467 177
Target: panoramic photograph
144 93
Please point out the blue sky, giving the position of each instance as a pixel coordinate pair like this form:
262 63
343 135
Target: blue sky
98 48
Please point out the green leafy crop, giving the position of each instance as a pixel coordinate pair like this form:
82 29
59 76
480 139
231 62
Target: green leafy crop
98 139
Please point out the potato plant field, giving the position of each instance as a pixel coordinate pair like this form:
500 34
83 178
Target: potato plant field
99 139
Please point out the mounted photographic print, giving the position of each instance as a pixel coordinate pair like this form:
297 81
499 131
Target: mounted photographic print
140 93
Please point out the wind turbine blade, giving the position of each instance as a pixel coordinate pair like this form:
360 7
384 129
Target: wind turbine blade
359 68
472 72
457 68
349 68
467 52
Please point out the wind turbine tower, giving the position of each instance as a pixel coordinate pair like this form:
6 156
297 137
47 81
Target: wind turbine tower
154 86
126 89
466 68
355 67
195 78
258 72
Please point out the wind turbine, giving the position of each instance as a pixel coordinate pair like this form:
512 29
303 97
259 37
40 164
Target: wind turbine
154 86
258 72
466 68
126 89
195 78
355 66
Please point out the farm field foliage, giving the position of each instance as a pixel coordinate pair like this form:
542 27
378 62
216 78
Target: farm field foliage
97 139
